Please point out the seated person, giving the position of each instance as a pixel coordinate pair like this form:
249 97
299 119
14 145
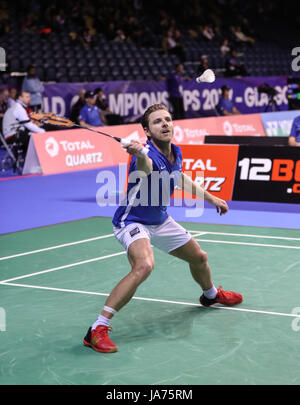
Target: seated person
19 113
108 117
3 103
75 110
12 97
203 65
294 138
234 65
225 106
90 115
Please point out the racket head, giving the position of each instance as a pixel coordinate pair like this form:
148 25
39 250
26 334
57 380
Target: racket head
51 118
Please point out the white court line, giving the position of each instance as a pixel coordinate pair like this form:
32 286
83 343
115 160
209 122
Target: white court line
124 252
155 300
246 235
57 247
63 267
248 244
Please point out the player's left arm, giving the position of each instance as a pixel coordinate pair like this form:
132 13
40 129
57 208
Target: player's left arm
187 184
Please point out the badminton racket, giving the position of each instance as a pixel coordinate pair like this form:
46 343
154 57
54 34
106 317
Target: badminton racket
52 119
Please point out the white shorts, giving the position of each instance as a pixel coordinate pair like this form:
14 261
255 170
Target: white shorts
166 237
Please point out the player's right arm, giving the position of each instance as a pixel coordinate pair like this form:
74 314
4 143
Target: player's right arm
143 162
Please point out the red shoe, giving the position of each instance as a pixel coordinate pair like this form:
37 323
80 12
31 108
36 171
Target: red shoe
99 340
228 298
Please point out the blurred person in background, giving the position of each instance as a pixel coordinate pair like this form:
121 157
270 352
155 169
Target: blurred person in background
34 86
120 36
75 110
203 65
19 112
225 106
3 104
107 116
241 37
12 97
208 32
173 82
90 114
234 65
225 48
88 38
294 138
172 44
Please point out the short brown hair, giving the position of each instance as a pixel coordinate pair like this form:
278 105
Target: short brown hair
150 110
21 92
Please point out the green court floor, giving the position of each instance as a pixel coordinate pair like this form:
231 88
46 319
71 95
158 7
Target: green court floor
55 280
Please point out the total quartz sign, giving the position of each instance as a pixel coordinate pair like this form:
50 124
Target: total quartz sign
193 131
248 125
79 149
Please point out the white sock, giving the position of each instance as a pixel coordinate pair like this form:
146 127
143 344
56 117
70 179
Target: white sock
211 293
101 321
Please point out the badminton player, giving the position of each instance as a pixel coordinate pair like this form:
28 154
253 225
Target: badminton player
137 227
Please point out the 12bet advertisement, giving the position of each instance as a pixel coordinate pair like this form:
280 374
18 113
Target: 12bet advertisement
270 174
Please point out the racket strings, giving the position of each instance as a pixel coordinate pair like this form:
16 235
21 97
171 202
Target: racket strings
51 118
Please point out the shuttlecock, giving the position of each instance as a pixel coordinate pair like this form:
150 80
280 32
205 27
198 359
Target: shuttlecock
207 76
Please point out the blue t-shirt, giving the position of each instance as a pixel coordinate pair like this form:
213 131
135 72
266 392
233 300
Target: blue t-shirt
296 129
90 115
224 105
147 198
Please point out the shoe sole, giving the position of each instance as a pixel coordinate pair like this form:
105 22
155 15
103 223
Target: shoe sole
227 305
112 350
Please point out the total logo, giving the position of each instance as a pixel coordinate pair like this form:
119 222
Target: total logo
189 135
227 128
178 134
236 129
52 147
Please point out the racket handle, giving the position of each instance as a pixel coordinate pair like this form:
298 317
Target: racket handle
144 151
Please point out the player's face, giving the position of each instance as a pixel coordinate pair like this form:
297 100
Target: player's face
160 126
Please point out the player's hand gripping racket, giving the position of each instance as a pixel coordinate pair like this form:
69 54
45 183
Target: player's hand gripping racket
51 118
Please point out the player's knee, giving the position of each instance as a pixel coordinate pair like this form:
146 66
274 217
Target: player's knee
143 271
201 257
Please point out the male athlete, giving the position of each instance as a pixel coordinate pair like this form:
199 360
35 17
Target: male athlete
137 227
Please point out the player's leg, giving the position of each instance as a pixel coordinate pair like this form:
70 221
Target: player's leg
201 272
141 258
198 262
175 240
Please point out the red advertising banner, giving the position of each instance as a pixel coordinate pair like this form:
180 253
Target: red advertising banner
240 125
78 149
212 167
193 131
